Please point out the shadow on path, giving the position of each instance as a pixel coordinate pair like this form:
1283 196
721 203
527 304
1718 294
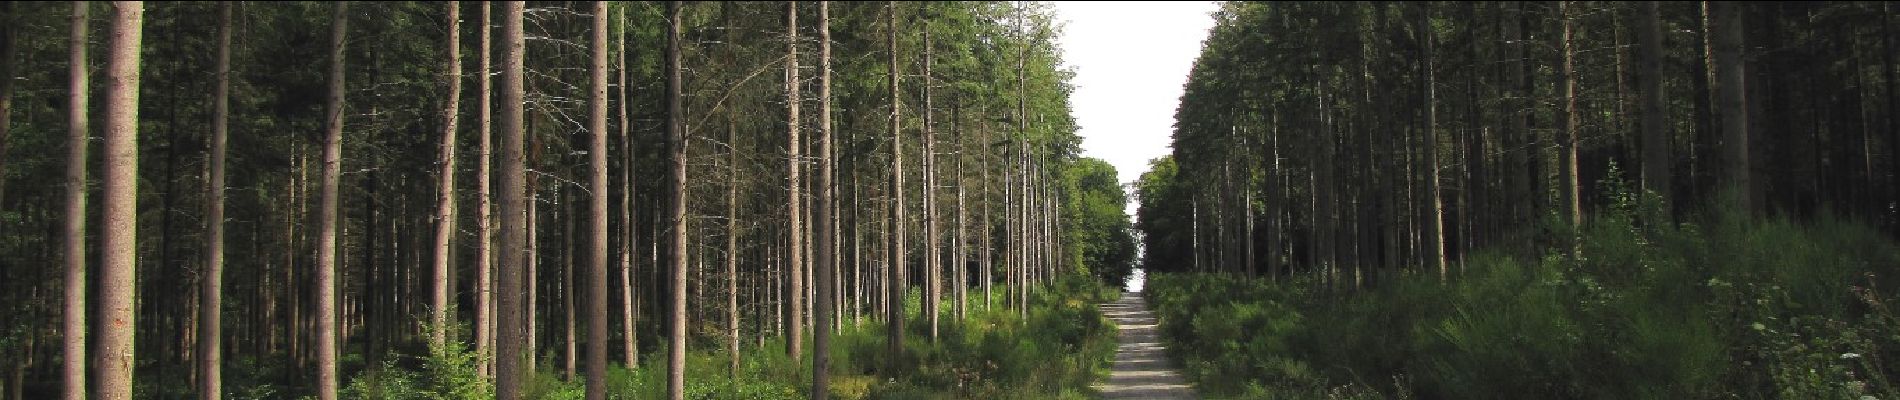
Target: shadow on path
1142 369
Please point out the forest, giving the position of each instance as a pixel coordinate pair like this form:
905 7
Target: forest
548 200
889 200
1554 199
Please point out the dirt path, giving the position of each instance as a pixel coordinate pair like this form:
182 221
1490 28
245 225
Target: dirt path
1142 369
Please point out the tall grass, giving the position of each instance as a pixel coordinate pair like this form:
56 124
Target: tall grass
1730 308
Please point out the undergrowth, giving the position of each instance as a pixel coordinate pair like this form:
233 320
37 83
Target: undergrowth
1730 308
1061 346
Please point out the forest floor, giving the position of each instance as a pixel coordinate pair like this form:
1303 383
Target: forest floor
1142 369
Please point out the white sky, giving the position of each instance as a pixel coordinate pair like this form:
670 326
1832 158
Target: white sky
1131 59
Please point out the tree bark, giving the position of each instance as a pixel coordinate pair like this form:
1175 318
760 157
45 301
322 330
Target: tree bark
676 133
960 277
211 306
73 229
510 351
794 214
933 258
1435 206
1657 177
484 233
566 214
1519 157
893 279
445 206
732 205
1021 219
631 234
827 232
1887 87
597 219
1732 101
988 234
327 214
9 66
1573 203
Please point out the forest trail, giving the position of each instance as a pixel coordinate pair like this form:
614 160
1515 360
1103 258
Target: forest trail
1142 369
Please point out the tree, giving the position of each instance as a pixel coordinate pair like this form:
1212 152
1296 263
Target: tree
510 348
1435 218
676 139
1573 203
211 301
1518 182
795 252
597 216
118 244
445 207
630 233
1732 101
73 229
893 277
933 258
484 231
327 209
826 235
732 209
1657 178
8 67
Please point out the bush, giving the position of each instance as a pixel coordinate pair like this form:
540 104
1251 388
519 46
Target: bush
448 372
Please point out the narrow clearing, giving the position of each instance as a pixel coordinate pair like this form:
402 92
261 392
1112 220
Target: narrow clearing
1142 369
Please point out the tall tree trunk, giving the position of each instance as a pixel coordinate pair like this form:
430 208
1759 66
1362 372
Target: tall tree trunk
826 236
445 206
630 234
210 382
327 212
9 67
597 218
1519 157
732 206
1435 205
1888 83
1573 203
988 234
794 214
1246 203
1275 202
933 258
510 351
893 280
531 309
73 229
1021 220
566 215
1657 177
1731 100
961 261
676 136
1707 143
484 233
1475 198
858 254
1025 239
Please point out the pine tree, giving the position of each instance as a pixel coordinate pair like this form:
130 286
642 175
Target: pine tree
511 348
327 213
